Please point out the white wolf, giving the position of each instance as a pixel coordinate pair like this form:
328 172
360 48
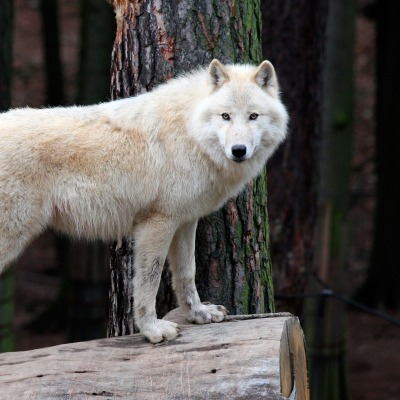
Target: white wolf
146 167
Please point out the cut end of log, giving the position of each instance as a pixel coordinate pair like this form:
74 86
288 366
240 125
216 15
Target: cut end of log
293 362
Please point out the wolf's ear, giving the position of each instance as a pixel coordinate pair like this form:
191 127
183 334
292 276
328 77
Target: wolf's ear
265 77
217 74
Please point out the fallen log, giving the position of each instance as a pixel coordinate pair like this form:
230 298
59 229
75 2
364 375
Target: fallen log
246 357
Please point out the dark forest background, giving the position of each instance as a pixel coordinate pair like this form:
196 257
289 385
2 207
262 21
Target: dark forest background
62 54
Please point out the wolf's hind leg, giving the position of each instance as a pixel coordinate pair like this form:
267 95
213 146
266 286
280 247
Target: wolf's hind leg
182 263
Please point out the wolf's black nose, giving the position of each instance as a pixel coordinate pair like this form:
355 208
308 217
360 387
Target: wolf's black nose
239 150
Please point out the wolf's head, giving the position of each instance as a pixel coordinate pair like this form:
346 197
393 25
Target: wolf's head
243 112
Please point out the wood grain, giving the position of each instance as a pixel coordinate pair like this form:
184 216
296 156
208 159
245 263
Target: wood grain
237 359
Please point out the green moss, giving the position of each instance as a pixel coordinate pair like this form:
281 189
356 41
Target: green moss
246 297
342 119
251 31
238 231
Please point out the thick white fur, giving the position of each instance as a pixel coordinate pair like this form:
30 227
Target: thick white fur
148 167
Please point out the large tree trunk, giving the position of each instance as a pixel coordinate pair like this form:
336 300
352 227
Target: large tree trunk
155 40
293 40
7 279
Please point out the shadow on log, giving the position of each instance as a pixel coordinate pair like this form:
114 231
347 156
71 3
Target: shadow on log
247 357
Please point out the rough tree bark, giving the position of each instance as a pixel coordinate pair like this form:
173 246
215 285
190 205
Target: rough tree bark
155 40
7 279
293 40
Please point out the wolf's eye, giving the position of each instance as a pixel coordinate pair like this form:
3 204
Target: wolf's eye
253 116
225 116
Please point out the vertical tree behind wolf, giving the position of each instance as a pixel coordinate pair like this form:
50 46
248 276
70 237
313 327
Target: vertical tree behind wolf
155 40
293 171
7 279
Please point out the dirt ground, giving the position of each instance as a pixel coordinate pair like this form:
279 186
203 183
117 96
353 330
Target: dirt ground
374 361
373 345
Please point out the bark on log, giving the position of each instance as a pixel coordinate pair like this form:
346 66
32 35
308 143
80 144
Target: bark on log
239 359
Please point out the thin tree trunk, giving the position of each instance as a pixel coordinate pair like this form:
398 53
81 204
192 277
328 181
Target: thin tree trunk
6 19
382 285
51 35
293 40
87 291
7 279
7 310
51 317
325 319
155 40
97 31
88 285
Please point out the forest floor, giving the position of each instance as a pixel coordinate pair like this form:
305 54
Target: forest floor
373 345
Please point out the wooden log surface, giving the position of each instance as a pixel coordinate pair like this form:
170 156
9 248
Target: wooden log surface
247 357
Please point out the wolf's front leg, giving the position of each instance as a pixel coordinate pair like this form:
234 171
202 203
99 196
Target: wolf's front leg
152 240
182 263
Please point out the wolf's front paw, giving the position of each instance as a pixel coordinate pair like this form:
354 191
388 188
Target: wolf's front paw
207 313
160 330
